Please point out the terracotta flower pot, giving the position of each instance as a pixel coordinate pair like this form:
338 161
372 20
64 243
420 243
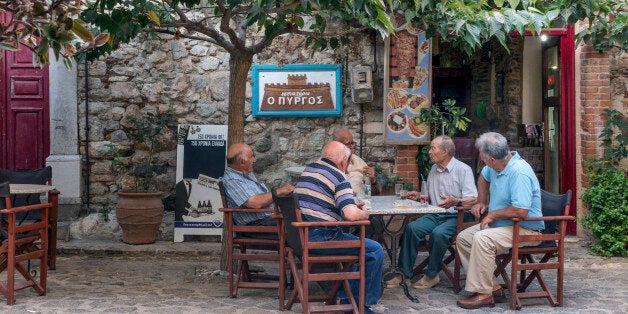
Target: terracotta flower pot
139 215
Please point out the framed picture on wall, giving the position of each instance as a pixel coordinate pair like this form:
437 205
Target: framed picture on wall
297 90
408 84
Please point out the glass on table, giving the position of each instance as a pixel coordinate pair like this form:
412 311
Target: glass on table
398 188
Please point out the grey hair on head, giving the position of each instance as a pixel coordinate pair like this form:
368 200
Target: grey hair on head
493 145
447 144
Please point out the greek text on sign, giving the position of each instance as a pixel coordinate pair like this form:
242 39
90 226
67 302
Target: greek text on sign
297 94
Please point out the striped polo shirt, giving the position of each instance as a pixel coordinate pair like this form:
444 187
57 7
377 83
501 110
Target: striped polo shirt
324 191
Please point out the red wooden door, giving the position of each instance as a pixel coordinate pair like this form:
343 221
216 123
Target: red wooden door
24 111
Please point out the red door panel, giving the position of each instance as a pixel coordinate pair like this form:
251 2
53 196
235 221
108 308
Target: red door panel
24 110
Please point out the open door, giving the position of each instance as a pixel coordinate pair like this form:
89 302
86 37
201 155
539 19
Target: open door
551 115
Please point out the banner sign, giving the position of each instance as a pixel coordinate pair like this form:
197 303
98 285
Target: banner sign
297 90
408 87
201 156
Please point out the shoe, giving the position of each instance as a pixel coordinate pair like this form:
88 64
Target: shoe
499 296
477 301
426 282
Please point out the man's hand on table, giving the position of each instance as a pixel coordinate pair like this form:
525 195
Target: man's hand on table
413 195
448 201
285 189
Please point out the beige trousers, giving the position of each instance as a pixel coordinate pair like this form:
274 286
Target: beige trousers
478 248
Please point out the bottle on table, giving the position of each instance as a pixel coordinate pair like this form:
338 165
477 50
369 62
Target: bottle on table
367 186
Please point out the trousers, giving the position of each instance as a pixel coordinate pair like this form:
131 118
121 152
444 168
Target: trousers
374 258
478 248
440 227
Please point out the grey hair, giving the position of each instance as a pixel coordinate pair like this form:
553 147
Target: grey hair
447 144
493 145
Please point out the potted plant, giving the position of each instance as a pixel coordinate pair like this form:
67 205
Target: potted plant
140 209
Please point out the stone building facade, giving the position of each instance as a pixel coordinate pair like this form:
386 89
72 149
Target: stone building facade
151 74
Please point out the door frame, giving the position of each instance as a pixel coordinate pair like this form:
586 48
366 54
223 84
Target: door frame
567 113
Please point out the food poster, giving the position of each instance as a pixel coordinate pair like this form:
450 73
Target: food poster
408 85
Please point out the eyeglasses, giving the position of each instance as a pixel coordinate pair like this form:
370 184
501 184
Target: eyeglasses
349 144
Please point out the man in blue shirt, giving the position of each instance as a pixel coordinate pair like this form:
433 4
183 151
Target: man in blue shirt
243 190
507 188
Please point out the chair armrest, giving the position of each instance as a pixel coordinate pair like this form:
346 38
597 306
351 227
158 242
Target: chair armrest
550 218
247 210
310 224
20 209
462 208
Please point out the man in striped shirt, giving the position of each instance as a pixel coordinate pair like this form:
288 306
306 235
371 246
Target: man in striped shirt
325 194
243 190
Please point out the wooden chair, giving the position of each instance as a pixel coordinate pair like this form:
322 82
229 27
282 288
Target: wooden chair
35 176
23 242
454 275
555 209
307 267
253 243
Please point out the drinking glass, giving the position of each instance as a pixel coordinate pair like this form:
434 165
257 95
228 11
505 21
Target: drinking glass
398 188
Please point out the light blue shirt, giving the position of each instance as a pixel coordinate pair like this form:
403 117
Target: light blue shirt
239 187
516 186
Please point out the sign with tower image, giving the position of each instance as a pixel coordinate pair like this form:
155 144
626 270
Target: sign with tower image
297 90
201 154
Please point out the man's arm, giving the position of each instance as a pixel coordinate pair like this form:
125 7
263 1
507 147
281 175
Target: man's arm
507 213
353 213
265 199
483 198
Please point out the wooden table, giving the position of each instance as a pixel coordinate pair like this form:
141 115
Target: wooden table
383 209
53 199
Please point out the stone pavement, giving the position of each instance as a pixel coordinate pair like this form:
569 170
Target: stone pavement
165 277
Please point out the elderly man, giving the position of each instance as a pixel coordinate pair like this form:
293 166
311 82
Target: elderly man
449 183
357 167
325 194
507 188
244 191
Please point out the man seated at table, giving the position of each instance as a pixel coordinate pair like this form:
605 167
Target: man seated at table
243 190
449 183
357 166
508 189
325 194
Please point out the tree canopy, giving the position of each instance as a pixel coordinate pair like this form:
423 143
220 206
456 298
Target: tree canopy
44 24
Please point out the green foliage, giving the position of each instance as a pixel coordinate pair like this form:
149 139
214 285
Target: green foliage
387 181
607 196
104 212
607 200
142 132
423 161
44 24
448 116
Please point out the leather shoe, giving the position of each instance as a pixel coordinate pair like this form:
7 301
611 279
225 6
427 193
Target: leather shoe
499 296
477 301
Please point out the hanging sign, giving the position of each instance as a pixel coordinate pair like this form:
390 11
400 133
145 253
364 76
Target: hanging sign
297 90
201 156
408 84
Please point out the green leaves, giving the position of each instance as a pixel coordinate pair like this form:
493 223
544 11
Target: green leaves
606 196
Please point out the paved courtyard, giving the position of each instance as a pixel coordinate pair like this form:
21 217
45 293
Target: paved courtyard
108 277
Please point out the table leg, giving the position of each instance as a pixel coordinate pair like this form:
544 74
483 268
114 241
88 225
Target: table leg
393 270
53 198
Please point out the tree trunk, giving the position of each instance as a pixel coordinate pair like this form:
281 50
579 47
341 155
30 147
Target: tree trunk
239 66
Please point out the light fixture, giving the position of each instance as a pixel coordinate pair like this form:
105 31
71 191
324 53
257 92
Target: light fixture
543 37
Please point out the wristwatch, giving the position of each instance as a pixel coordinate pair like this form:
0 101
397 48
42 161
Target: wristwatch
459 203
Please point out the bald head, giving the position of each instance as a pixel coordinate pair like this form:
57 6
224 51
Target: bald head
240 157
336 152
343 136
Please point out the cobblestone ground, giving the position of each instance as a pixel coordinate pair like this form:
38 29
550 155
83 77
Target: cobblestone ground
177 283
